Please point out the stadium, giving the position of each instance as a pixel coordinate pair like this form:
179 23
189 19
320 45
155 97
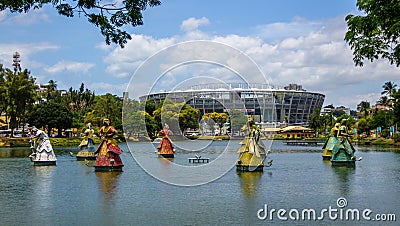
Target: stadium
267 104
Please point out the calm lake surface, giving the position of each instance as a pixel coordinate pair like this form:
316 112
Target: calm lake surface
153 191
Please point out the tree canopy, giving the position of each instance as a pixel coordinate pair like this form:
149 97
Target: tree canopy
17 94
51 115
110 17
375 34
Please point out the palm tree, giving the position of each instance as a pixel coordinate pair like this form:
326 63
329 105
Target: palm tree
315 121
364 107
3 90
20 95
384 101
389 88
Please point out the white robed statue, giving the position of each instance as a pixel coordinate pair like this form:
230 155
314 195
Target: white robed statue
42 151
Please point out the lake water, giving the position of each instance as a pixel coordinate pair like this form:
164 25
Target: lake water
153 191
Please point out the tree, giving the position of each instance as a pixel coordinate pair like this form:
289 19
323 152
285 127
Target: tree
138 121
106 106
79 101
215 118
3 90
364 125
315 120
150 106
365 107
109 17
20 95
375 34
396 107
50 115
327 121
179 116
389 88
380 119
237 120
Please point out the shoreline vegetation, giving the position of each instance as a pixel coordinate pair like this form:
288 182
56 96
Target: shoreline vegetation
6 142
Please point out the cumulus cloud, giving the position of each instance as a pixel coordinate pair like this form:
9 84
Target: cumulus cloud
280 30
23 19
122 63
192 24
63 66
310 53
26 50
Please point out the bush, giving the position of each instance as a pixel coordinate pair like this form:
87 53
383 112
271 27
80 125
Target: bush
396 137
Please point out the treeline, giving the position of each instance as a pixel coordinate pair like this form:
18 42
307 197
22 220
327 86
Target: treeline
24 104
384 117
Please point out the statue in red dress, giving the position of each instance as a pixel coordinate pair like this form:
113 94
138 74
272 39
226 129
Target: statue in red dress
108 151
165 148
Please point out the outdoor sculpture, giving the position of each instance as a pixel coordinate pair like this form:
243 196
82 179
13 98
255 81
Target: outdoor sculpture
108 151
339 148
330 143
42 151
87 145
165 147
252 152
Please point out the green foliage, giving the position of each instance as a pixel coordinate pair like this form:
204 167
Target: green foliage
396 110
179 116
396 137
315 122
364 108
380 119
17 92
363 125
376 34
214 118
106 106
50 115
109 17
237 120
150 106
389 88
136 120
338 113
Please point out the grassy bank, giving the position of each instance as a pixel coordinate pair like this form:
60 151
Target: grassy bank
55 142
68 142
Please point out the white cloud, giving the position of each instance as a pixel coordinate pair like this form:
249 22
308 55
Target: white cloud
103 87
76 67
280 30
310 53
192 24
26 51
22 19
123 62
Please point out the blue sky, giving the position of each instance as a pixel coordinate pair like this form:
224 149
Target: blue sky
291 41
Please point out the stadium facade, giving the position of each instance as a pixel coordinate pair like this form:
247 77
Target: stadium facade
291 104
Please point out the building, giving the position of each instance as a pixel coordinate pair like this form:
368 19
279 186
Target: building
292 104
329 110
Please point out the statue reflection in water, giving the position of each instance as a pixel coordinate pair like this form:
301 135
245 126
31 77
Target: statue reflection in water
249 181
108 187
42 188
108 184
345 177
